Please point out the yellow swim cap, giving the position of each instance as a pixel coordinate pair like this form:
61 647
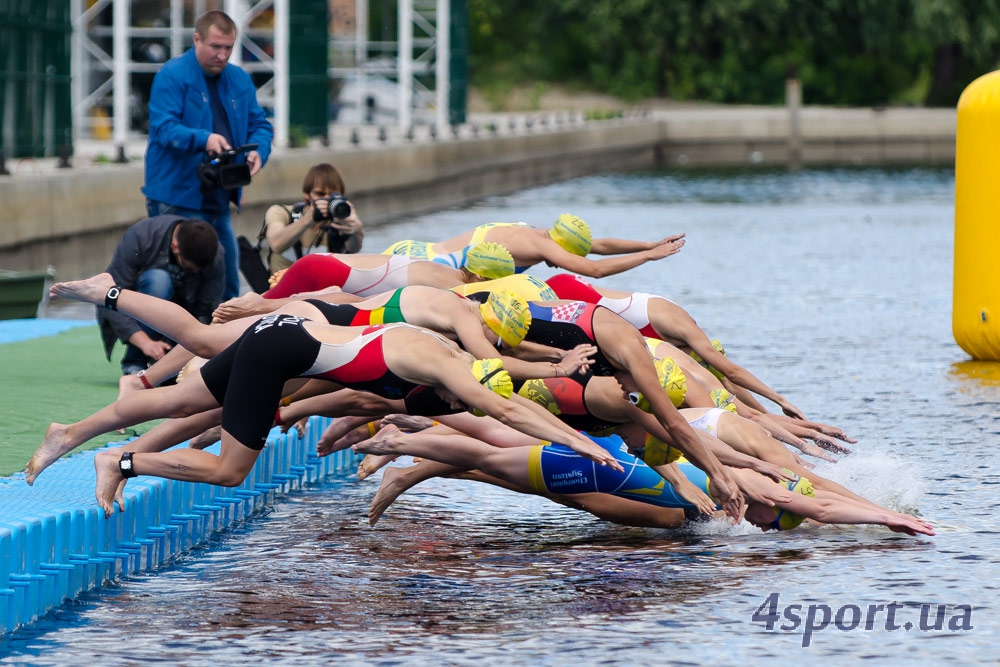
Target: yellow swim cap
528 287
652 344
507 315
572 233
491 374
785 520
489 260
658 453
723 399
671 379
714 371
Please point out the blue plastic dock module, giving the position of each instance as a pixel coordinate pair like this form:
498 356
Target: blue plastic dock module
56 543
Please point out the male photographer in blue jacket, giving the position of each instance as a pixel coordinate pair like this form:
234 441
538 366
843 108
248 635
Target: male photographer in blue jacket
201 106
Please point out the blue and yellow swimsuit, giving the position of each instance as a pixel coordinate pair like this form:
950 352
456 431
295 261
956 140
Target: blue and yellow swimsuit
558 469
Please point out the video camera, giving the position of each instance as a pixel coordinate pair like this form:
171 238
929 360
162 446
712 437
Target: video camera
338 209
222 171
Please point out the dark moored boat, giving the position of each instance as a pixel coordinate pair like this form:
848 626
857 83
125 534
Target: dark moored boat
21 292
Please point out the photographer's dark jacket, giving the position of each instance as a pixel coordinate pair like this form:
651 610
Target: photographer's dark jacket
146 245
180 120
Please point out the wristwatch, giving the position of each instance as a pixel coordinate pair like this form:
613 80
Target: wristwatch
111 298
125 465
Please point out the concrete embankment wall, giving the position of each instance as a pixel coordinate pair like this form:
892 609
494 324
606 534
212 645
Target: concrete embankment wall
73 218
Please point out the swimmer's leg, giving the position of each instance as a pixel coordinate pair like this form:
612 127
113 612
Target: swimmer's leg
167 317
190 397
229 468
623 511
396 481
510 464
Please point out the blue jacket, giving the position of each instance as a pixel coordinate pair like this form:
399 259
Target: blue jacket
180 120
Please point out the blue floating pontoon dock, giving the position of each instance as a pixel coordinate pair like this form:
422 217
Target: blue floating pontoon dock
55 542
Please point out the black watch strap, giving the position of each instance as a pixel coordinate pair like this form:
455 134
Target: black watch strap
125 466
111 298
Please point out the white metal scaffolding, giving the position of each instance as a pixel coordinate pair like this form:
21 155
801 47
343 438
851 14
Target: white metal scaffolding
417 63
103 58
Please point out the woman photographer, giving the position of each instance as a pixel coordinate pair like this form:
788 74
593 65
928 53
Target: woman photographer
310 225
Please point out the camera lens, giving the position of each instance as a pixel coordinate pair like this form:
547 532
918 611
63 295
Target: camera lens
341 209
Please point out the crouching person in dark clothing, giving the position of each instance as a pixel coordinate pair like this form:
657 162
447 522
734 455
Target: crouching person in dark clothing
174 259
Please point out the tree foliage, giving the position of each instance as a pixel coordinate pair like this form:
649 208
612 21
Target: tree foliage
852 52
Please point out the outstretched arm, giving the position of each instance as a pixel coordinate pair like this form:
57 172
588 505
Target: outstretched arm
516 412
811 428
469 332
555 255
698 341
627 350
612 246
828 507
685 489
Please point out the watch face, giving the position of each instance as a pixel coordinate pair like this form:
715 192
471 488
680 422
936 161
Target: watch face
113 293
126 464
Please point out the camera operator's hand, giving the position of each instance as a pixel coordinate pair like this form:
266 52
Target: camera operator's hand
253 161
154 349
217 143
316 210
350 225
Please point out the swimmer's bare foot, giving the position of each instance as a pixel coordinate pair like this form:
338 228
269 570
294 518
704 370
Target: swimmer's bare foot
357 434
120 493
109 478
411 423
190 367
248 304
335 436
206 439
371 464
383 442
392 486
128 384
91 290
55 444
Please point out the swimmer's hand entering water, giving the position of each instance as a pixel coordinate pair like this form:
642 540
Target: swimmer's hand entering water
594 452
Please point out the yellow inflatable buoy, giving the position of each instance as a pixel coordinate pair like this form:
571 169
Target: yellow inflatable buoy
975 318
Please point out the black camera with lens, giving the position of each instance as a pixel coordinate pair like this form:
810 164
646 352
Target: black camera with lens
339 209
221 171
